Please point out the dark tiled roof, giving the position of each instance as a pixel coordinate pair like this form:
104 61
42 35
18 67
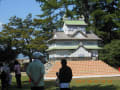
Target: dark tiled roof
63 36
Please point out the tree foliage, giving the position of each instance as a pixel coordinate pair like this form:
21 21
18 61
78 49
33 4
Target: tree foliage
24 36
111 53
105 19
53 12
7 54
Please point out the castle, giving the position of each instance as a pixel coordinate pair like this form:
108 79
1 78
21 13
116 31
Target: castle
74 42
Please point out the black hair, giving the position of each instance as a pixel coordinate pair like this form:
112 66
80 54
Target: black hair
63 61
16 62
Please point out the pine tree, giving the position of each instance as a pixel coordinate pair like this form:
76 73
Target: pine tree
105 19
24 36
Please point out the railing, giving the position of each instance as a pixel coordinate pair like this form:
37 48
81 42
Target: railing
71 58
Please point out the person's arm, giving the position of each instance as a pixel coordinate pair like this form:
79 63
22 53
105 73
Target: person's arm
70 73
59 74
42 71
36 83
15 69
28 72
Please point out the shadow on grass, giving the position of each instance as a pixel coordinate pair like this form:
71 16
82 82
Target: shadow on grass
94 87
50 85
25 86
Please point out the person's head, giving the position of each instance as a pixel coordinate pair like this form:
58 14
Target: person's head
39 56
63 62
16 62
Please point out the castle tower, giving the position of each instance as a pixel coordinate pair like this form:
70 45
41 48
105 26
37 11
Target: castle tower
73 42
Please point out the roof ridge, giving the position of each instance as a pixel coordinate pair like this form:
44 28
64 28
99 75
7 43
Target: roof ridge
77 32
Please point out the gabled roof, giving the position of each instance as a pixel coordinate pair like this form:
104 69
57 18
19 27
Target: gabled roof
75 22
63 36
78 31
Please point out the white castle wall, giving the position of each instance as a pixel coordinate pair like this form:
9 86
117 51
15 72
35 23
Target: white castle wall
73 43
81 52
60 53
70 29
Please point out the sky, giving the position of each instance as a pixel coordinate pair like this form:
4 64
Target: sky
20 8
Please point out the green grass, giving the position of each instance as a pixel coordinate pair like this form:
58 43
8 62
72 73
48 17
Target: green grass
76 84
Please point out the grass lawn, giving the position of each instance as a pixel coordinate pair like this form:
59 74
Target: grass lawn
111 83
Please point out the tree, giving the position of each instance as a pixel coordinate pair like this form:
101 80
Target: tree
105 19
74 9
111 53
53 12
7 54
24 36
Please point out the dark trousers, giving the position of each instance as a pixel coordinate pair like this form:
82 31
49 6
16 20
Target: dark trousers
4 85
18 80
37 88
4 81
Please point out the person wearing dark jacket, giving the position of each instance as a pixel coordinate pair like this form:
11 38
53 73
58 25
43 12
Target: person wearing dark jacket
4 77
64 75
4 80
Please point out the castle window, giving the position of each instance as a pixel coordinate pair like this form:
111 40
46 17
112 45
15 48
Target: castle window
67 43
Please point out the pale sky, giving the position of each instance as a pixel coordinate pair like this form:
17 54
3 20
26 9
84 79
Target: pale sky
20 8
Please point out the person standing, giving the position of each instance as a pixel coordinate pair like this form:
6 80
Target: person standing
35 70
64 75
17 74
3 77
5 71
4 81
